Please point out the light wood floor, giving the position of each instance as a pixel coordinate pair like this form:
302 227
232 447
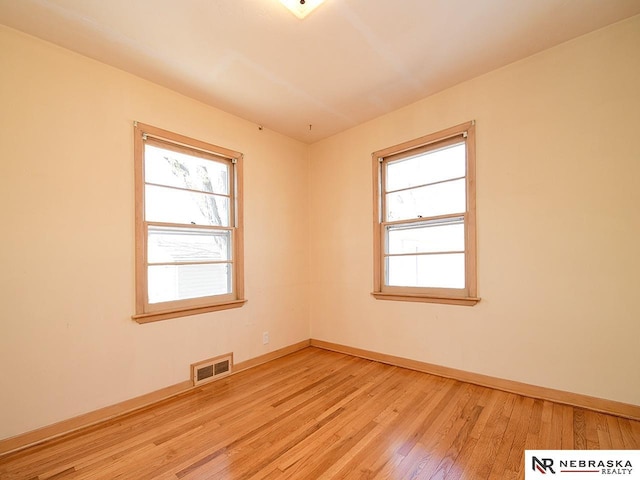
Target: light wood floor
317 414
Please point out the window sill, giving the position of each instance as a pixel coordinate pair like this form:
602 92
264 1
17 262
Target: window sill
167 314
412 297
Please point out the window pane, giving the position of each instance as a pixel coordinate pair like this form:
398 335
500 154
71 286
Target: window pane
434 166
426 239
435 271
439 199
167 245
169 205
176 169
179 282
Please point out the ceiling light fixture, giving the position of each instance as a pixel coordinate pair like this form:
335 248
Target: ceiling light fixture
301 8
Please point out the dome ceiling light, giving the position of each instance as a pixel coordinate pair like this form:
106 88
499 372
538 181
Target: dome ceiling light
301 8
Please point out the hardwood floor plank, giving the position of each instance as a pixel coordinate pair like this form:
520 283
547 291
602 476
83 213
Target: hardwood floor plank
568 437
629 437
544 437
323 415
554 440
591 430
579 429
604 439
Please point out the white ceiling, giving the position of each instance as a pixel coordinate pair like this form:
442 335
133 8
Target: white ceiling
348 62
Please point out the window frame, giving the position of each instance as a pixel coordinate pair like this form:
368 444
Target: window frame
146 312
466 296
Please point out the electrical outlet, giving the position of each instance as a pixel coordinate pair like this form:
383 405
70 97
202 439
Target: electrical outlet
265 338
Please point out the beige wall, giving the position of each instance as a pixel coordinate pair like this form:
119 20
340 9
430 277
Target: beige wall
558 175
67 343
558 198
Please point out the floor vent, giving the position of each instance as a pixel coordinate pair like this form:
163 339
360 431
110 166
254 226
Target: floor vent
212 369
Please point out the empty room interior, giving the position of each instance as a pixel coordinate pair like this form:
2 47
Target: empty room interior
413 252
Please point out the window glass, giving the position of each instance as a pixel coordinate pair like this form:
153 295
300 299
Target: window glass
179 282
177 169
168 245
430 201
433 271
170 205
425 168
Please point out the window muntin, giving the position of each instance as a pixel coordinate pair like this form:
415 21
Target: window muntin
189 230
425 218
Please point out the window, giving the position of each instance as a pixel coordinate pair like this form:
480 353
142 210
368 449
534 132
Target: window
424 219
188 226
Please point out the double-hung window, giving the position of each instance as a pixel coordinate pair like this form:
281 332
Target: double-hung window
424 219
188 226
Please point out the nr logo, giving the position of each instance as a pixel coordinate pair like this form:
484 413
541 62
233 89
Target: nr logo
542 465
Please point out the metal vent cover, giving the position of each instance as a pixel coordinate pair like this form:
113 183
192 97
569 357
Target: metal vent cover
211 369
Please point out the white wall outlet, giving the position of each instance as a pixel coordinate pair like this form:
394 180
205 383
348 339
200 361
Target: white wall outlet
265 338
